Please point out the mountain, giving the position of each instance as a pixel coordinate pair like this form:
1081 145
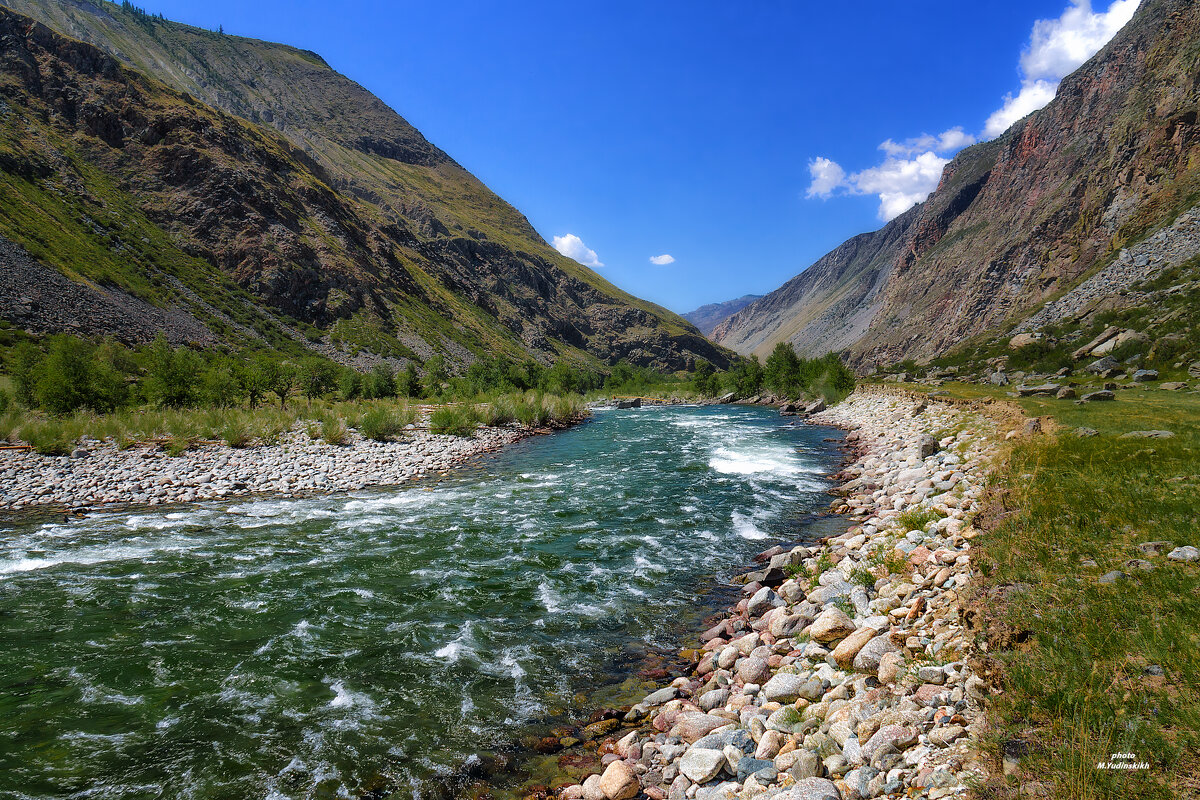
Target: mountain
708 316
1060 202
252 195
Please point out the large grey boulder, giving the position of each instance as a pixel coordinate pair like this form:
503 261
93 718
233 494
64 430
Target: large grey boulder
1103 365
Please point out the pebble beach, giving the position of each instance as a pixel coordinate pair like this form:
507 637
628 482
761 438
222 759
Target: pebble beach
99 474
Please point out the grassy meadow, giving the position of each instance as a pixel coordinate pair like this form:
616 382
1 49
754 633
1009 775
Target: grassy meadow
1092 669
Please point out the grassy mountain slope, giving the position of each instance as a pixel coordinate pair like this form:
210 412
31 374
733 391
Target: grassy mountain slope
1020 220
283 184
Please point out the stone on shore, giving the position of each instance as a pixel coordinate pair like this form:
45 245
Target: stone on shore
868 658
812 789
849 647
619 782
701 765
830 625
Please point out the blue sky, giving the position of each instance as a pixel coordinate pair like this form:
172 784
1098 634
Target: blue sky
742 140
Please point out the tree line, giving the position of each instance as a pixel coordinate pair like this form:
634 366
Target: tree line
784 374
65 373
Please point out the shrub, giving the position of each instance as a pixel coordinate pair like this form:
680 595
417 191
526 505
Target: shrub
236 433
334 431
532 412
798 571
5 402
863 578
501 411
10 422
454 420
47 438
382 423
895 563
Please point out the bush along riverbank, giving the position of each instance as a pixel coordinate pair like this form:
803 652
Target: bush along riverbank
320 448
844 672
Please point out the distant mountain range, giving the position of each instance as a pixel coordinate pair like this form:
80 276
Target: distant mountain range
156 176
1054 208
708 316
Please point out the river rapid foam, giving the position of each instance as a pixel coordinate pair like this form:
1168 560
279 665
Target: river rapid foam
378 639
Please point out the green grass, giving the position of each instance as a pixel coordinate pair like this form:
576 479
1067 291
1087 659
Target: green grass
454 420
1073 653
385 421
916 519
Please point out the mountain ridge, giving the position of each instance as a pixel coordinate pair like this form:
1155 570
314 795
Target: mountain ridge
1015 221
354 234
709 315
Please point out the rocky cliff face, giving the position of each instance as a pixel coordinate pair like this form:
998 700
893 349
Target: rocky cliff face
1018 220
272 198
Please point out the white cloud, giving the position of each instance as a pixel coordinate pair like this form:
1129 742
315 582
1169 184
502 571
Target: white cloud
1033 95
913 167
950 141
900 183
826 175
572 246
1057 47
663 260
910 172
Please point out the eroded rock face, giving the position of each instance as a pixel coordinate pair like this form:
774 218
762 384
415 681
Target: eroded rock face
974 254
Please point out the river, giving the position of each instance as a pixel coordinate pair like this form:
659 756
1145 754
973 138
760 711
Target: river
376 642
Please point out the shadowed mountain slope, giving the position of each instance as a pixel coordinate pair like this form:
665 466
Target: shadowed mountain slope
274 199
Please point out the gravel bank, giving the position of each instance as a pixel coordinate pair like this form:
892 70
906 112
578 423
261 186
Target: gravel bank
297 465
843 672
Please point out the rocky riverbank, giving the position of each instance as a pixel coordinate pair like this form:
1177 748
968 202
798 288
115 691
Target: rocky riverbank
100 474
844 671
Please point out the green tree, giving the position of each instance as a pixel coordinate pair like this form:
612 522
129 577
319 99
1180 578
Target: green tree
256 379
172 374
283 381
222 385
350 385
560 379
410 382
381 382
781 374
317 377
64 377
746 379
23 365
704 378
435 375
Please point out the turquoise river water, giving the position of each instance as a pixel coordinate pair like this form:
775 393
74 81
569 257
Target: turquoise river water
376 643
